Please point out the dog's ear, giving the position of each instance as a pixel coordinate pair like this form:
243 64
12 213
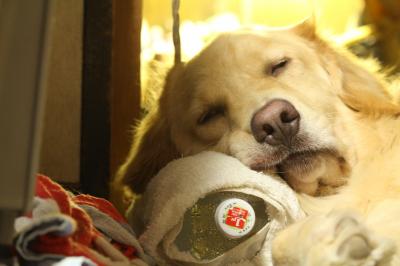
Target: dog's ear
152 150
364 91
152 147
306 28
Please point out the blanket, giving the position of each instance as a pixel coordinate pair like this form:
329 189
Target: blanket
82 230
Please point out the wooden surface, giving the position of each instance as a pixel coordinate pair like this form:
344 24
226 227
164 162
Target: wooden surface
125 91
95 128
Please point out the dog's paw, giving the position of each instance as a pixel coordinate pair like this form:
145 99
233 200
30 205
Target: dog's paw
346 241
332 240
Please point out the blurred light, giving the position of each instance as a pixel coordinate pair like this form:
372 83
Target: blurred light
203 20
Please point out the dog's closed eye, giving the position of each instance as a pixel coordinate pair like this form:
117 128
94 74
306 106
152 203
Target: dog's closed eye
210 114
277 67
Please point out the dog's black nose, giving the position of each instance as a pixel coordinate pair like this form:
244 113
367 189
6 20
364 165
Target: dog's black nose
276 123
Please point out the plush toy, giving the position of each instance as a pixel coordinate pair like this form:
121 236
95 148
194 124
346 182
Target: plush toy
211 209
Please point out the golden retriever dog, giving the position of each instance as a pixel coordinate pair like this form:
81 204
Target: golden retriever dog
286 102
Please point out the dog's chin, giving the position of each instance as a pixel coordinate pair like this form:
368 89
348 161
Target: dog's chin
308 172
300 162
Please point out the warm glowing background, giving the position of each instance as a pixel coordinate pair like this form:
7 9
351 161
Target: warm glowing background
203 18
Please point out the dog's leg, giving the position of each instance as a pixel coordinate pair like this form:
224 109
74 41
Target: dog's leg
336 239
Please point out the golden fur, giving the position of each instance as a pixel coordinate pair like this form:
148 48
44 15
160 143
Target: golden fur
350 126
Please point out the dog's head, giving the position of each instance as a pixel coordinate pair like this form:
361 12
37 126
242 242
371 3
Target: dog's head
279 101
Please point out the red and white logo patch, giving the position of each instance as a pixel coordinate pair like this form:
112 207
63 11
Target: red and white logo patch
235 217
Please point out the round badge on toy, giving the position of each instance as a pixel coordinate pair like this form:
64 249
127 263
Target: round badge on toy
235 217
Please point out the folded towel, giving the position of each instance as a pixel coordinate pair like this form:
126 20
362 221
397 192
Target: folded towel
158 216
